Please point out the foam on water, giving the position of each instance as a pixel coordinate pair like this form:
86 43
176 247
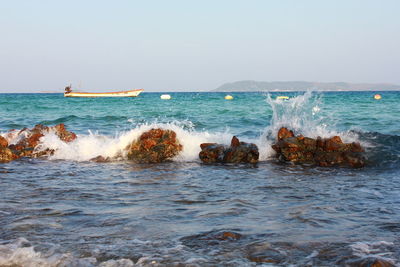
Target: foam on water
303 114
86 147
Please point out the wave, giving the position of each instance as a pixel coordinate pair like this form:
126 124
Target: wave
21 253
191 251
303 113
86 147
383 149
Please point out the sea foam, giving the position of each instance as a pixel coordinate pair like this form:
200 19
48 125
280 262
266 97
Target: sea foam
302 113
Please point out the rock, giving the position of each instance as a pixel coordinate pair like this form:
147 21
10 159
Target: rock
267 256
100 159
3 142
237 152
30 138
212 238
321 152
154 146
370 262
284 133
212 153
6 155
63 134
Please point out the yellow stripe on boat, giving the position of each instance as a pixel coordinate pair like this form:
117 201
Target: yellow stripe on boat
130 93
282 97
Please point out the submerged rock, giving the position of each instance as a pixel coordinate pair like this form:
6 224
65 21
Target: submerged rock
370 262
322 152
154 146
100 159
237 152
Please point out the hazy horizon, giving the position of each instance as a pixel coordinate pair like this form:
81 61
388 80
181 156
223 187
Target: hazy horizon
195 46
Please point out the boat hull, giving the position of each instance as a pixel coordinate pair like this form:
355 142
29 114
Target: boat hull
131 93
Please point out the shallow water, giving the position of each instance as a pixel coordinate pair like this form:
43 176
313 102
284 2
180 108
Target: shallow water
67 210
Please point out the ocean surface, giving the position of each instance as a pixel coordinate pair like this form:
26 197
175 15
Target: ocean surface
69 211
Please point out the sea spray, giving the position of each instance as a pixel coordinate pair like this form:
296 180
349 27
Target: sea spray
86 147
304 115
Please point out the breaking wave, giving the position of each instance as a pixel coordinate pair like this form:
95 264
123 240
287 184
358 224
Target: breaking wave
303 113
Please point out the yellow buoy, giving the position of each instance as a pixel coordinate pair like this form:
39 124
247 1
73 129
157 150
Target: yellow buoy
228 97
377 96
165 97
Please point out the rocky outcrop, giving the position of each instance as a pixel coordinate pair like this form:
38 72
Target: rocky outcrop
154 146
237 152
6 155
323 152
3 142
28 139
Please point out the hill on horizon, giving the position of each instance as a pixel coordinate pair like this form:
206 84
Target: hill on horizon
250 85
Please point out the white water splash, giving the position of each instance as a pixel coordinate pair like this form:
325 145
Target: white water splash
304 115
87 147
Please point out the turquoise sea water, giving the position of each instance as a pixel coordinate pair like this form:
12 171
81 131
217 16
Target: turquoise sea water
67 210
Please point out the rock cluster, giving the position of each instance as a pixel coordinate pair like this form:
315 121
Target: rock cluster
160 145
28 139
237 152
154 146
321 151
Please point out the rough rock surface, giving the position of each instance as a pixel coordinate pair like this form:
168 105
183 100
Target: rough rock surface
6 155
3 142
237 152
322 152
154 146
28 139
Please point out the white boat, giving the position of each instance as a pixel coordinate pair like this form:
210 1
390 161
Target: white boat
130 93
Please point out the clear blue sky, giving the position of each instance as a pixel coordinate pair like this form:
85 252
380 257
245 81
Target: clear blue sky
195 45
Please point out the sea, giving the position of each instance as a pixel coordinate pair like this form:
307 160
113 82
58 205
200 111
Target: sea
67 210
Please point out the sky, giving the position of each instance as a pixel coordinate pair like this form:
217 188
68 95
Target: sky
183 45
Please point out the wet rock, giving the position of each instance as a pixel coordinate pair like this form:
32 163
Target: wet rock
6 155
321 152
101 159
266 256
212 238
154 146
228 236
63 134
284 133
264 253
370 262
29 139
3 142
237 152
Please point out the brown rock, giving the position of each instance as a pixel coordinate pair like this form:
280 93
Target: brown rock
235 142
3 142
204 145
321 152
100 159
154 146
30 138
211 153
6 155
284 133
370 262
228 236
238 152
63 134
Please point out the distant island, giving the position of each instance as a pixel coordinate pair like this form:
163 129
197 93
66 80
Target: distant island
241 86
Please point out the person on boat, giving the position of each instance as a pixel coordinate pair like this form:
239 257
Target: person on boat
68 89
